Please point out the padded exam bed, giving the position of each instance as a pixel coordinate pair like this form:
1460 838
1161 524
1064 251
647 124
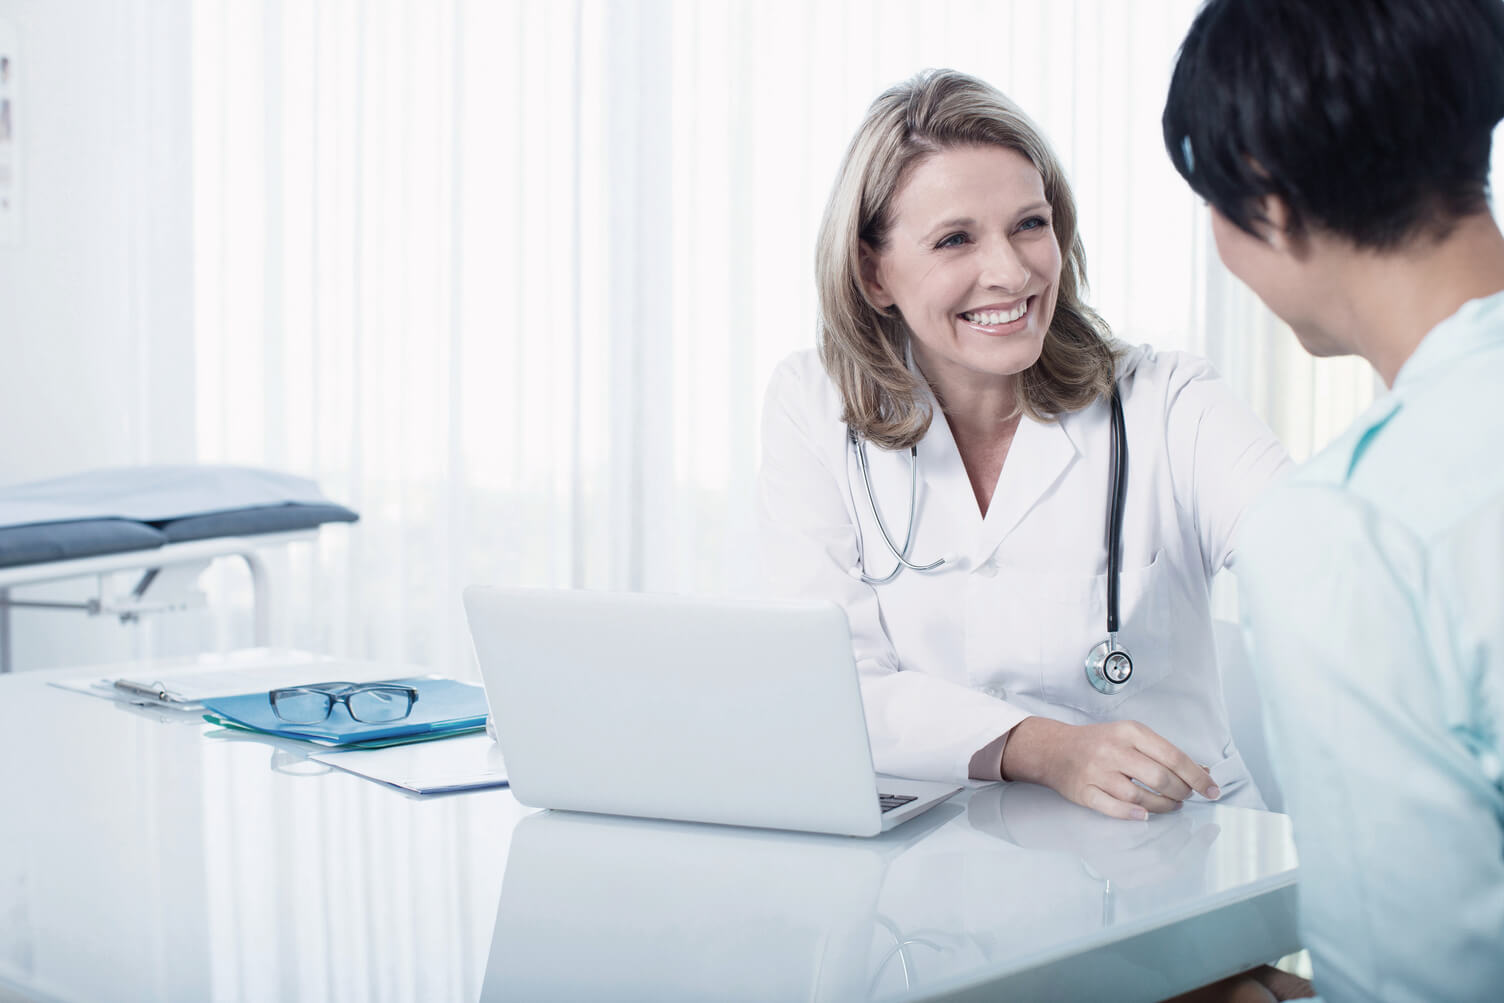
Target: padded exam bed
154 519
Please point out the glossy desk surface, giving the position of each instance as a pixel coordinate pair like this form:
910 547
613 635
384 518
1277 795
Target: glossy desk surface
148 856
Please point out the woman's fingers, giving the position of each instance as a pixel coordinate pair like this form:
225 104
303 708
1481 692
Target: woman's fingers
1189 772
1124 789
1121 769
1158 777
1122 798
1100 801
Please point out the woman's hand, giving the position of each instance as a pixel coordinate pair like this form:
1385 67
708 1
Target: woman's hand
1264 984
1095 765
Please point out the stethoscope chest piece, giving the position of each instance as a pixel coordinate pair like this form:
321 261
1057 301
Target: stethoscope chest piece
1109 667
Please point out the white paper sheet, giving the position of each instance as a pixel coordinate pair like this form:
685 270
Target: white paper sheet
466 762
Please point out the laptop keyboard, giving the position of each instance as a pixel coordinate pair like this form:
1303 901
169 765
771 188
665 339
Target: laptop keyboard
890 801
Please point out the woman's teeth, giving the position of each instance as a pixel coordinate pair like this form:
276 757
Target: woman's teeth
991 318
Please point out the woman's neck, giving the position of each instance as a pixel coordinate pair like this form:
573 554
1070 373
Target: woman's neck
982 412
979 403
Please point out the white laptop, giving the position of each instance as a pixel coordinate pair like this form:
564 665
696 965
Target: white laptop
735 711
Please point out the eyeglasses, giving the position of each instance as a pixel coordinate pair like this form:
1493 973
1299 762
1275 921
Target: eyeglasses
369 703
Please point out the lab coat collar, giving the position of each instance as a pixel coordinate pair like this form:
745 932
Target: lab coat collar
1040 454
1038 457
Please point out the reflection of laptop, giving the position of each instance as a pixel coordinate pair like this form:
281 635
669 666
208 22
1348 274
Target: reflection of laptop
743 712
673 912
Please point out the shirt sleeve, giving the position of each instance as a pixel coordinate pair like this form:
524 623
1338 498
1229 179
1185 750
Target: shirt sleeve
1397 817
1222 456
919 726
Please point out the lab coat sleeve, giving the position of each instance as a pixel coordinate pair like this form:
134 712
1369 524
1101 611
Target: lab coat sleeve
1222 456
1398 816
920 726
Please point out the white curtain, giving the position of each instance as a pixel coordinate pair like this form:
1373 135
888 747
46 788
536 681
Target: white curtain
509 277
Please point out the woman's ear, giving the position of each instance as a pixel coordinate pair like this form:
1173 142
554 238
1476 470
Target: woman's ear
872 282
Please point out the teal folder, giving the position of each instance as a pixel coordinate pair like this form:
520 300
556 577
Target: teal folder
444 707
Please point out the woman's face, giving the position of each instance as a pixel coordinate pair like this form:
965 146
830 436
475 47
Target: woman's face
971 263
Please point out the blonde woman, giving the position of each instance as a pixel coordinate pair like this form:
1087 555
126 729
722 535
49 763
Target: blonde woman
958 415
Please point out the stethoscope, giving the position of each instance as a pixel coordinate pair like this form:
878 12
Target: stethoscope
1108 665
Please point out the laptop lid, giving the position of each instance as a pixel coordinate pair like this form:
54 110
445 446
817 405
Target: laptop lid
746 712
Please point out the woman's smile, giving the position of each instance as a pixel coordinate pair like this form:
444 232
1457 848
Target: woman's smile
999 318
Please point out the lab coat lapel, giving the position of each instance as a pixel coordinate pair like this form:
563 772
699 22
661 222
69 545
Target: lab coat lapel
947 496
1040 454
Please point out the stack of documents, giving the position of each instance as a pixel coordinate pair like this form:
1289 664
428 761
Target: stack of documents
232 691
444 707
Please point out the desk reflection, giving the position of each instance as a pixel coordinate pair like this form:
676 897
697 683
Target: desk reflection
596 907
629 909
1137 865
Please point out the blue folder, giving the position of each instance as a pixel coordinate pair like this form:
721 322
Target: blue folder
444 706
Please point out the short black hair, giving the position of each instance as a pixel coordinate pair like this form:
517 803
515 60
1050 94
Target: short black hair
1369 119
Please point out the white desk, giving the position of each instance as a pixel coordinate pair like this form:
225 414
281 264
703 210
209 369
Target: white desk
142 858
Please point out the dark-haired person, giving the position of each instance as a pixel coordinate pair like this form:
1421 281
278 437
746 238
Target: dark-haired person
960 404
1344 149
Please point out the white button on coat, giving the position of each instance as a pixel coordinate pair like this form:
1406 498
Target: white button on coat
951 660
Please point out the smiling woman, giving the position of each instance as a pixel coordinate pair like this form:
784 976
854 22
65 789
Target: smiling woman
935 264
977 190
955 341
944 274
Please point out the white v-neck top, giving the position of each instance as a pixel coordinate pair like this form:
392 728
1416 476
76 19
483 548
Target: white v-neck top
952 660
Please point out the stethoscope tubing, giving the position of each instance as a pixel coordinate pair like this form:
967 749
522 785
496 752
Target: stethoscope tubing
1119 494
1117 498
902 555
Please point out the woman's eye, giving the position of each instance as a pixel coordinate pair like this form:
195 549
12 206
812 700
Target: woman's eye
1034 223
954 240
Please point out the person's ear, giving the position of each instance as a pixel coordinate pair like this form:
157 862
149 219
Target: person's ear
872 282
1277 230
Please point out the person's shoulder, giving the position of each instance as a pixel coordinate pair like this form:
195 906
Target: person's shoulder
1154 379
1423 454
800 383
1308 526
799 368
1144 368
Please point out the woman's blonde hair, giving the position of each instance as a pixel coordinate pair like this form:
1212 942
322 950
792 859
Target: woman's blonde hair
864 348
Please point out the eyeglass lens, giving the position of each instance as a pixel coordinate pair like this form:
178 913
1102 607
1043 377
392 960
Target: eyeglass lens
301 706
370 705
376 705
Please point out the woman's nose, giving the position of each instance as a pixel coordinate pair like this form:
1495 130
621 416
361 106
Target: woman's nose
1003 269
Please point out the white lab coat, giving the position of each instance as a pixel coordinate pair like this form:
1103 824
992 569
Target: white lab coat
951 660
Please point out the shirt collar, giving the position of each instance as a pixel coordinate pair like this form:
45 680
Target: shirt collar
1474 327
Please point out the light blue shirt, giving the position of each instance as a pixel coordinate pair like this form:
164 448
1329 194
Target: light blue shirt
1372 587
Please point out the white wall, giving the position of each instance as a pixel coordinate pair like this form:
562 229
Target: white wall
96 351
